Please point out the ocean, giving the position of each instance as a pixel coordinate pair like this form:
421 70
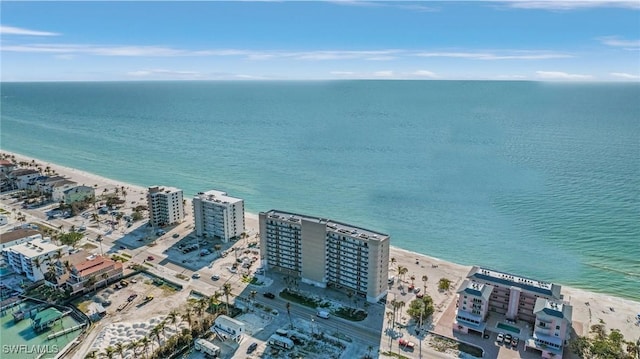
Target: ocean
538 179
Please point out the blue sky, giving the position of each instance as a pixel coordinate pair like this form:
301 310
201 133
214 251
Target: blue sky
514 40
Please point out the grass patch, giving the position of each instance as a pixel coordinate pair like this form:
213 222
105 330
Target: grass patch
352 314
116 257
441 344
84 306
394 355
148 264
300 299
88 246
127 255
182 276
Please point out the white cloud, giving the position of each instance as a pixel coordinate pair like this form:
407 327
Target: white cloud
403 6
10 30
511 77
163 72
519 55
571 4
424 73
134 51
385 73
559 75
625 75
342 73
615 41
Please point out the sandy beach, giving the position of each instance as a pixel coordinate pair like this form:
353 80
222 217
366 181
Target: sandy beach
588 307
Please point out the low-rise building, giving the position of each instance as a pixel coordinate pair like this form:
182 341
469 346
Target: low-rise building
78 194
58 189
228 328
90 272
23 177
18 236
472 307
7 166
32 258
551 331
216 214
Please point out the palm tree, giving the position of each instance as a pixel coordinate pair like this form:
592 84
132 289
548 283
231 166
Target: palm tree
91 281
424 280
226 289
289 314
413 278
144 343
172 318
402 270
393 260
389 318
187 316
120 349
213 300
105 276
109 352
155 332
133 345
252 296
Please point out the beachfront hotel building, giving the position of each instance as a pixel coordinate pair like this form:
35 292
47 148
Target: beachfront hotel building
473 306
552 328
32 258
324 252
165 206
514 296
216 214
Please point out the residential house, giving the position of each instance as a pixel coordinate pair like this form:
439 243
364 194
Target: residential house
58 189
472 307
24 177
228 328
551 331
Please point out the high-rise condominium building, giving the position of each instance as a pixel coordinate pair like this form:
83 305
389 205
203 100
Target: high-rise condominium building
165 205
215 214
324 252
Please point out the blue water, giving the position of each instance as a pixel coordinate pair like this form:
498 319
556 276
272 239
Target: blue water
537 179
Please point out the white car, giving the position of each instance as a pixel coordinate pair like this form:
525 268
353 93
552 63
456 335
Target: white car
196 275
500 337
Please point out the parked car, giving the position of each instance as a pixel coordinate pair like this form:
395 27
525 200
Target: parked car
252 347
507 339
500 338
406 344
175 235
196 275
215 277
419 295
269 295
514 342
150 258
417 290
132 297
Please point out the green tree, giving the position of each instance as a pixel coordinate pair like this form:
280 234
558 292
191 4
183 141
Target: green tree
226 289
421 308
444 284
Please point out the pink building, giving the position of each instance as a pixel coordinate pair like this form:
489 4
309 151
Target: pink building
473 306
552 327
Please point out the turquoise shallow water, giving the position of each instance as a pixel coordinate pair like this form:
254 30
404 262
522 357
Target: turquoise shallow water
20 341
538 179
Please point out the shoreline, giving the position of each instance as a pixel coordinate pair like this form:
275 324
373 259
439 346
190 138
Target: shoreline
589 306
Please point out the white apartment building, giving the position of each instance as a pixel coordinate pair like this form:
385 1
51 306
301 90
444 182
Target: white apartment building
325 253
32 258
165 206
552 327
216 214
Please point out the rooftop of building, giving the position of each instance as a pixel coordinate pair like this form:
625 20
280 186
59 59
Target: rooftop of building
23 172
53 179
476 289
76 258
553 308
94 263
163 189
334 226
506 279
226 320
63 183
76 188
217 197
35 248
17 234
6 163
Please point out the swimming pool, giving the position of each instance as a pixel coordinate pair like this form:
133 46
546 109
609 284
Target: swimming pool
509 328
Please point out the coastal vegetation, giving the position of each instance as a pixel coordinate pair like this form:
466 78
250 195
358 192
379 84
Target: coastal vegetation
600 345
421 308
444 284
